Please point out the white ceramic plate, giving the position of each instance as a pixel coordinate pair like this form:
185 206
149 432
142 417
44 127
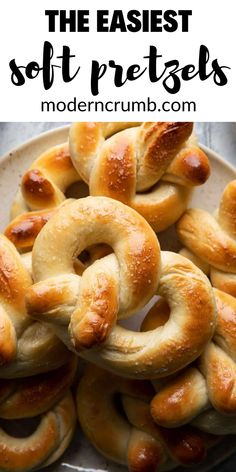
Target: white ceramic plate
81 457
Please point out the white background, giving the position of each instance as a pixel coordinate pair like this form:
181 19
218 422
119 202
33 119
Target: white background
24 28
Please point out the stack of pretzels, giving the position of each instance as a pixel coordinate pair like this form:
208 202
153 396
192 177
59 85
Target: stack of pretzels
80 255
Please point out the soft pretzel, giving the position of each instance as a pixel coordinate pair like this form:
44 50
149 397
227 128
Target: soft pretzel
150 168
116 285
41 193
32 396
132 438
212 239
45 445
43 190
211 383
108 288
26 347
24 228
44 184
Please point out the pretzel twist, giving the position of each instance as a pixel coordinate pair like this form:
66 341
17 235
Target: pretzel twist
116 285
107 289
134 439
26 347
210 384
45 183
43 191
212 239
45 445
24 228
150 168
32 396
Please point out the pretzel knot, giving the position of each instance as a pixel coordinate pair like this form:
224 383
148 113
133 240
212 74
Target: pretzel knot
45 445
150 168
44 189
132 438
26 347
212 238
116 286
45 183
208 389
113 286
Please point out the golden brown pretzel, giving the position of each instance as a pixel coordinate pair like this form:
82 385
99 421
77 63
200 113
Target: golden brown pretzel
26 347
45 445
211 383
116 285
89 305
131 438
32 396
150 168
24 228
212 239
44 184
43 190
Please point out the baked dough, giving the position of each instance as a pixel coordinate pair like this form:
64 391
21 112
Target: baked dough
45 445
32 396
210 383
44 184
212 238
132 438
43 190
24 228
116 286
26 347
151 168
